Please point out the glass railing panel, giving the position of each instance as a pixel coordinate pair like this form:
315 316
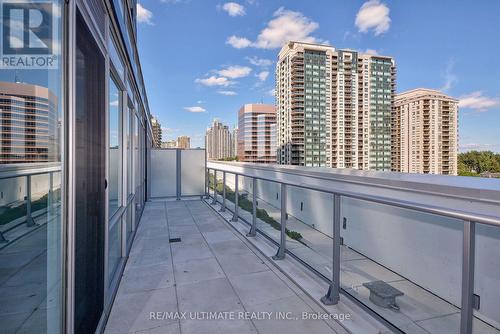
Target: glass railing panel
487 279
30 253
114 247
163 173
192 172
310 228
404 265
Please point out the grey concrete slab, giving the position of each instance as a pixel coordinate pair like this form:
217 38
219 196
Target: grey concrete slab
260 287
197 270
132 312
183 252
147 278
239 264
451 324
217 326
218 236
292 309
215 295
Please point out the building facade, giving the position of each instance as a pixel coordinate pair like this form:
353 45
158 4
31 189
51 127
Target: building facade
183 142
334 107
76 131
425 132
256 140
219 141
29 124
157 133
169 144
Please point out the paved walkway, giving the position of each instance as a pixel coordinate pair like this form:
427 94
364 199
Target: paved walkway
210 270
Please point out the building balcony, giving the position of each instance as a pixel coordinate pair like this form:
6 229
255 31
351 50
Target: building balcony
201 251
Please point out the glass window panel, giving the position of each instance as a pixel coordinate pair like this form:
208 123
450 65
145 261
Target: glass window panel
114 133
31 109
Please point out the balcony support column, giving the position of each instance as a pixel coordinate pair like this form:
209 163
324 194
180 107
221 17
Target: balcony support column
223 208
469 236
280 255
235 215
253 228
332 296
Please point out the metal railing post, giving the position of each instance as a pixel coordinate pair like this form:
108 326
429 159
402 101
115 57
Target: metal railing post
178 176
332 296
29 219
223 208
207 183
253 228
469 236
214 200
235 215
50 200
280 255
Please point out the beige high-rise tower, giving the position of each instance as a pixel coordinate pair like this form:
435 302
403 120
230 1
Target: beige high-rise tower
334 107
219 141
425 132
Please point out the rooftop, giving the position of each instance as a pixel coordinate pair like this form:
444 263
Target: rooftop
211 269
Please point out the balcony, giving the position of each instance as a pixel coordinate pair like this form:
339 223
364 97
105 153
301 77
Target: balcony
295 241
277 247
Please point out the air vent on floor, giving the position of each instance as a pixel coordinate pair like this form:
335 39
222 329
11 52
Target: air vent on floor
174 240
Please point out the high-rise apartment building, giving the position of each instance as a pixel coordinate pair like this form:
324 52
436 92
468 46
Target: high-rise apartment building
219 141
156 127
334 107
30 126
236 131
425 132
183 142
256 140
169 144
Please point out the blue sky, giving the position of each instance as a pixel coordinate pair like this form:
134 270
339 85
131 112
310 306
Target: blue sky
203 59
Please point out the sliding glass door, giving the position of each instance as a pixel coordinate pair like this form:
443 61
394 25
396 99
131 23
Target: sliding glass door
89 180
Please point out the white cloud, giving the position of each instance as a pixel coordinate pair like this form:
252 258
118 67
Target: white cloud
234 72
286 26
478 102
215 81
256 61
194 109
373 15
238 42
166 130
263 75
449 76
234 9
114 103
144 15
371 52
477 146
227 92
271 92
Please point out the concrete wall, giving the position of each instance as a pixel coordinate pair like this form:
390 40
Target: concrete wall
423 248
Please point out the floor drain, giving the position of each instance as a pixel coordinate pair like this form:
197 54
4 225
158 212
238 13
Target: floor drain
174 239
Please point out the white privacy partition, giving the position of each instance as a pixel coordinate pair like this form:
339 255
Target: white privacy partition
192 172
163 172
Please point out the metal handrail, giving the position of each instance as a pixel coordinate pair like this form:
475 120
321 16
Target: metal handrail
468 219
437 210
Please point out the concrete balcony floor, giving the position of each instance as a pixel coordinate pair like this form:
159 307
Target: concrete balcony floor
212 269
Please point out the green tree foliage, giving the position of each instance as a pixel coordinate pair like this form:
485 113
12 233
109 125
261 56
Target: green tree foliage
473 163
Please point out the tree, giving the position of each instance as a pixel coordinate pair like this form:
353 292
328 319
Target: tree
476 162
